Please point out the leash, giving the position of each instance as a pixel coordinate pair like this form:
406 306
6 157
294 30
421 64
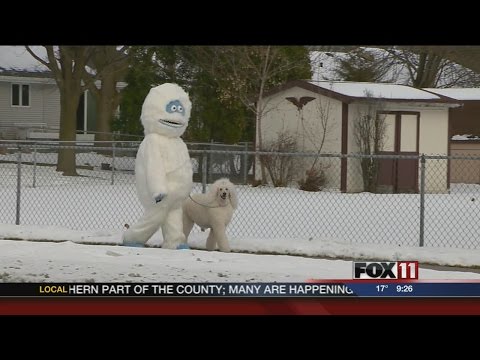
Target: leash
211 207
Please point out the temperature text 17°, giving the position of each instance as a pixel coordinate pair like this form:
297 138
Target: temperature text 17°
381 288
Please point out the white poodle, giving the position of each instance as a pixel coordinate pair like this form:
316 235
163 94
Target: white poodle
212 210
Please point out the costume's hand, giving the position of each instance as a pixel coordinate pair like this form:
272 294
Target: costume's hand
159 197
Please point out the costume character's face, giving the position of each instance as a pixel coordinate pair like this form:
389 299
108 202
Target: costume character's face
166 110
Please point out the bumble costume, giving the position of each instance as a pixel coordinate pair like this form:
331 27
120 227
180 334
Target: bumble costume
163 170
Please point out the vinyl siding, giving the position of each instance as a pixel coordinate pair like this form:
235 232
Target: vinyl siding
44 108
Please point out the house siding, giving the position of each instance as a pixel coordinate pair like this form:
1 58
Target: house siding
51 109
44 108
433 141
463 170
282 116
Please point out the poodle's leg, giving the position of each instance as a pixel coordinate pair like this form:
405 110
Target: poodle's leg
220 237
140 232
172 229
211 243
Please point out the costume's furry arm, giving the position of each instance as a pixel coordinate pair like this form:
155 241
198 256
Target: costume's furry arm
155 168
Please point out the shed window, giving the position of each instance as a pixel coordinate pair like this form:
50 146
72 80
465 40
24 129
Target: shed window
20 95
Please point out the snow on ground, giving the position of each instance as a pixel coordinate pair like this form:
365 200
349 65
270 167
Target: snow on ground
77 256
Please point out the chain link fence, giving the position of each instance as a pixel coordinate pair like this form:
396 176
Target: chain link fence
431 201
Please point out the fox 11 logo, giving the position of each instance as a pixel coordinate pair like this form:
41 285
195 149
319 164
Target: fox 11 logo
395 270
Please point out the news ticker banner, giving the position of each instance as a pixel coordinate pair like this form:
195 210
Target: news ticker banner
369 279
311 289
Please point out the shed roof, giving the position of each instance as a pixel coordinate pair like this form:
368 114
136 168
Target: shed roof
458 93
377 90
42 77
348 91
33 77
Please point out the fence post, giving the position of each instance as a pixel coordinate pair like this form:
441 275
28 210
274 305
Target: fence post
422 199
210 162
245 164
204 172
34 181
19 184
113 164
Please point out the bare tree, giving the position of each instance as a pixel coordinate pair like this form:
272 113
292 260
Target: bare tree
67 64
428 68
281 168
244 60
466 56
362 64
420 67
316 134
369 133
245 73
110 65
75 69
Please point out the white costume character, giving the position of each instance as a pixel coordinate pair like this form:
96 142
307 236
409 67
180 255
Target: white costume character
163 170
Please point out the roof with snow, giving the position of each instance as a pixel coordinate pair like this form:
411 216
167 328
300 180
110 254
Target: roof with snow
458 93
348 91
39 74
19 59
16 64
466 137
377 90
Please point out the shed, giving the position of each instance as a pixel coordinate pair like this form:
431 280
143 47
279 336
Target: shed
464 133
416 122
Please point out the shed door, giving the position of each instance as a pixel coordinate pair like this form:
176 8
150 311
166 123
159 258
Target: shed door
401 138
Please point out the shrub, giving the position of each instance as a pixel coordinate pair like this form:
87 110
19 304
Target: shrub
314 180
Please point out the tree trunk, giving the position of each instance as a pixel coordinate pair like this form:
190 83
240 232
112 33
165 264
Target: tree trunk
106 106
427 70
370 174
259 142
68 125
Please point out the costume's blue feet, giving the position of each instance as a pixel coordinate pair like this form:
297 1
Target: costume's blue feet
183 247
133 244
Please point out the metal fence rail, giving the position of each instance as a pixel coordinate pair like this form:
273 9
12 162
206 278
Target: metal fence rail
441 208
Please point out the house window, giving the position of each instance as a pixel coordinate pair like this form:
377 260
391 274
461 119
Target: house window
20 95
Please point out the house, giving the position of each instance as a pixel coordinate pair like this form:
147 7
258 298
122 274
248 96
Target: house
416 122
30 107
30 99
464 133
